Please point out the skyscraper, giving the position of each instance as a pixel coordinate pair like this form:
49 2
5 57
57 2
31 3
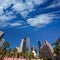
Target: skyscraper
21 45
27 44
24 45
47 50
20 48
39 45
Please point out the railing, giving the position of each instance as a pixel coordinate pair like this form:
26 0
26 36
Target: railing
18 59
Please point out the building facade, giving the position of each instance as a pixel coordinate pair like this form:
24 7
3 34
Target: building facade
27 44
24 45
39 45
20 48
34 51
47 50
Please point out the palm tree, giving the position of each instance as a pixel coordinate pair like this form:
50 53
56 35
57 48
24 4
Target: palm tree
5 46
26 53
21 54
15 52
9 52
1 52
31 55
57 47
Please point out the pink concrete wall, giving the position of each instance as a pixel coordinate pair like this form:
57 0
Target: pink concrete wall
18 59
14 59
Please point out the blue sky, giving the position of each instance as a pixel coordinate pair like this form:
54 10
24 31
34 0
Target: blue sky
38 19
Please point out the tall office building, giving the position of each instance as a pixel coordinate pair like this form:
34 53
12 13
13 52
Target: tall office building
47 50
39 45
27 44
21 45
20 48
24 45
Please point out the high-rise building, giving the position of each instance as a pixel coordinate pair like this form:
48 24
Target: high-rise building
47 50
20 48
39 45
21 45
24 45
27 44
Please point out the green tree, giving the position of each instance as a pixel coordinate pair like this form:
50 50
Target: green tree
31 55
6 45
26 53
9 52
4 48
57 47
15 52
21 54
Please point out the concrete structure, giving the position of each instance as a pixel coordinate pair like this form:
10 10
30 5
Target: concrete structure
34 51
1 38
19 59
20 49
39 45
21 45
47 50
25 44
1 34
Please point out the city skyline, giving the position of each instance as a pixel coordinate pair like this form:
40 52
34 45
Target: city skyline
38 19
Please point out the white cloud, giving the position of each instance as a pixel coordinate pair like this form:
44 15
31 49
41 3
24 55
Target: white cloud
19 7
40 21
55 3
23 8
5 4
17 24
24 13
28 6
25 26
3 24
6 18
1 10
38 2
